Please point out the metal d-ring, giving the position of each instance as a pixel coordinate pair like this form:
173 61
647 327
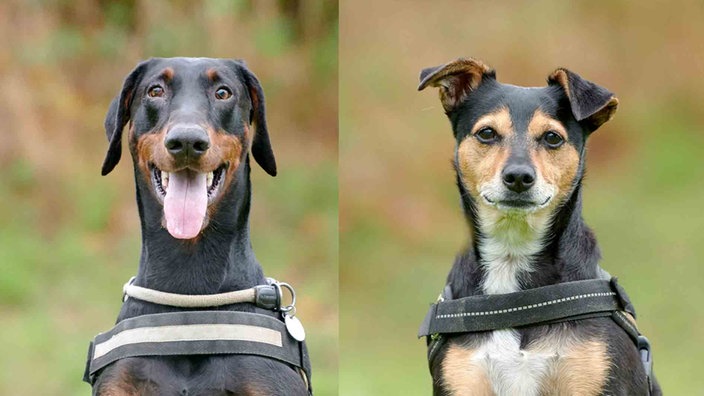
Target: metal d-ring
279 291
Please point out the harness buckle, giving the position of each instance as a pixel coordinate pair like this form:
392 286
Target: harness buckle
646 356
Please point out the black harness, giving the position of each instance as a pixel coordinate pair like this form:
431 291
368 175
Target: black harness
206 333
534 307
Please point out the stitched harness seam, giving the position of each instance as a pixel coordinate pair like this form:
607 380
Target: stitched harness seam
525 307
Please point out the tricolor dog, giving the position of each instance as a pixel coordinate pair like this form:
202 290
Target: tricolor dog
200 318
527 309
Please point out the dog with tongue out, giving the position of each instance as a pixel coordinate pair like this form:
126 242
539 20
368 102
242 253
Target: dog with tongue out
191 125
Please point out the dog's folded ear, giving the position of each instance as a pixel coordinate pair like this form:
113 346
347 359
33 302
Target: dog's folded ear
118 116
261 145
591 104
455 80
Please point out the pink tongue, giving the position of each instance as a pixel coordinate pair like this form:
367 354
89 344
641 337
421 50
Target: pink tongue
185 203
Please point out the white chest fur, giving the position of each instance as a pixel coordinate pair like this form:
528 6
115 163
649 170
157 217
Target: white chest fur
508 245
511 370
510 241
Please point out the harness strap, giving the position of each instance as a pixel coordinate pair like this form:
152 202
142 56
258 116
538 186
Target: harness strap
533 307
195 333
529 307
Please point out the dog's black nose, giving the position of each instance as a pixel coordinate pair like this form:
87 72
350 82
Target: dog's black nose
518 177
187 142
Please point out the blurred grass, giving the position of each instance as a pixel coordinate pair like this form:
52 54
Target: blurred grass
69 238
400 219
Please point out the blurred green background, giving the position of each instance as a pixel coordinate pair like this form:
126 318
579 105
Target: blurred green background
400 219
69 238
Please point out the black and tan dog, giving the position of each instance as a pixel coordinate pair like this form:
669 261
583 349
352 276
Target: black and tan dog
519 160
192 123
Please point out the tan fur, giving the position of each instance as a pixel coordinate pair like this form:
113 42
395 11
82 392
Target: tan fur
461 377
606 113
479 162
456 79
557 166
111 390
212 74
149 148
224 148
580 371
254 389
167 74
121 383
560 76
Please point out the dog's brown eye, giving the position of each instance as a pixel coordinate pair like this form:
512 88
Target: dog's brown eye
487 135
223 93
553 139
156 91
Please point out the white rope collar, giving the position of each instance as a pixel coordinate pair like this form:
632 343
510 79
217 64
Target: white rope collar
208 300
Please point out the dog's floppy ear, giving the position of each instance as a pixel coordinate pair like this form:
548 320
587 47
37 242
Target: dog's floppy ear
261 146
118 116
591 104
455 79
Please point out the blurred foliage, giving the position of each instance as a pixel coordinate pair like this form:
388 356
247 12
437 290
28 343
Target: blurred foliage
400 219
69 238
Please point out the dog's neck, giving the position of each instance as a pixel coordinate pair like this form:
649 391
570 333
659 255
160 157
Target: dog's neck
506 247
219 260
513 251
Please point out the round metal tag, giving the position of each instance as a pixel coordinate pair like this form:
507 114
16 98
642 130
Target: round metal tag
295 328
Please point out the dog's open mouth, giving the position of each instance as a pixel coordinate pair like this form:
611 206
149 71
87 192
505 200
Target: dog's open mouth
186 195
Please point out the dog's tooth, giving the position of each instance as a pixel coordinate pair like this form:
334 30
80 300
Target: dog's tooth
209 179
165 179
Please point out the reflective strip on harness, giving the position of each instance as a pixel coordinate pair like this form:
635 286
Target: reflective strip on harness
564 301
195 333
211 332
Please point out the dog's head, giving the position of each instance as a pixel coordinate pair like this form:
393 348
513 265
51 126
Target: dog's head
190 129
519 150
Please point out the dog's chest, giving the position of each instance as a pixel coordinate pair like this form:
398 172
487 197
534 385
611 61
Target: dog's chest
211 375
510 369
556 364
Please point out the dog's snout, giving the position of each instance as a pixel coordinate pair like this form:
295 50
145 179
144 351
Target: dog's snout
187 142
518 177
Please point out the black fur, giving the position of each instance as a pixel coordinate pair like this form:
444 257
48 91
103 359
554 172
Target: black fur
221 259
119 112
570 249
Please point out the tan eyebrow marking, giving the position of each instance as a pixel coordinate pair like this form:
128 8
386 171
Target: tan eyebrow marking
499 119
541 123
212 74
167 74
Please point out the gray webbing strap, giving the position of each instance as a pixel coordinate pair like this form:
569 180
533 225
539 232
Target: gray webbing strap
529 307
195 333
